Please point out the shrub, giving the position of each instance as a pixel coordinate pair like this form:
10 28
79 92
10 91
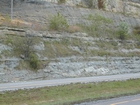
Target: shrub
33 61
58 22
123 31
25 47
90 3
136 30
61 1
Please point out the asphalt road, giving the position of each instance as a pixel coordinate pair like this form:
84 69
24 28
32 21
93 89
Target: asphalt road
56 82
127 100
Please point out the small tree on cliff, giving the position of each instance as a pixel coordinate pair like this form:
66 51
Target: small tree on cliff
24 46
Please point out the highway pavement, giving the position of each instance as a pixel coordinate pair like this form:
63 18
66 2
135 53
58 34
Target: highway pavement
56 82
127 100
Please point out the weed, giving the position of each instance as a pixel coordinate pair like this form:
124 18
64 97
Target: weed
61 1
74 28
123 31
97 25
136 30
7 53
100 53
33 61
114 43
25 46
60 48
22 65
106 45
90 3
8 40
58 22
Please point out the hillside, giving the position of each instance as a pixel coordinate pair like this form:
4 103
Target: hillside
90 41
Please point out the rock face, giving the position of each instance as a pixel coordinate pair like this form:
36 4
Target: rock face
127 7
135 1
73 15
123 6
74 66
64 68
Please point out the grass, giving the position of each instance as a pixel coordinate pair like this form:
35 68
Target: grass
64 47
7 53
98 25
22 65
60 48
70 94
74 28
106 45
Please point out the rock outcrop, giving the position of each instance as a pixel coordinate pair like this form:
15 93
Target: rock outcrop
128 7
72 66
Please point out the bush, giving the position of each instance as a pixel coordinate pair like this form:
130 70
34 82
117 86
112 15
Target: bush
136 30
33 61
24 47
123 31
61 1
90 3
58 22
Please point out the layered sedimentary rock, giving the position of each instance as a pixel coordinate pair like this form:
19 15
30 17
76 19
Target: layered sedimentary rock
128 7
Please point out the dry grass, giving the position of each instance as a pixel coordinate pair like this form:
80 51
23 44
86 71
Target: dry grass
74 28
1 19
18 23
15 23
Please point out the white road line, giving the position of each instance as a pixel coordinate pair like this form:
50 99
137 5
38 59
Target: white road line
136 99
120 103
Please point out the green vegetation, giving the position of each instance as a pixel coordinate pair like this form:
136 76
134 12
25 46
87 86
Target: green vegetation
65 47
7 39
58 22
61 1
109 41
123 31
7 53
60 48
23 65
97 26
70 94
90 3
136 30
25 47
33 61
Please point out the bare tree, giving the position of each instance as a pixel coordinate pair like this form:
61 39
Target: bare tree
25 46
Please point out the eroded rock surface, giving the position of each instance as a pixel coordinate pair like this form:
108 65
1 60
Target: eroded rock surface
73 66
